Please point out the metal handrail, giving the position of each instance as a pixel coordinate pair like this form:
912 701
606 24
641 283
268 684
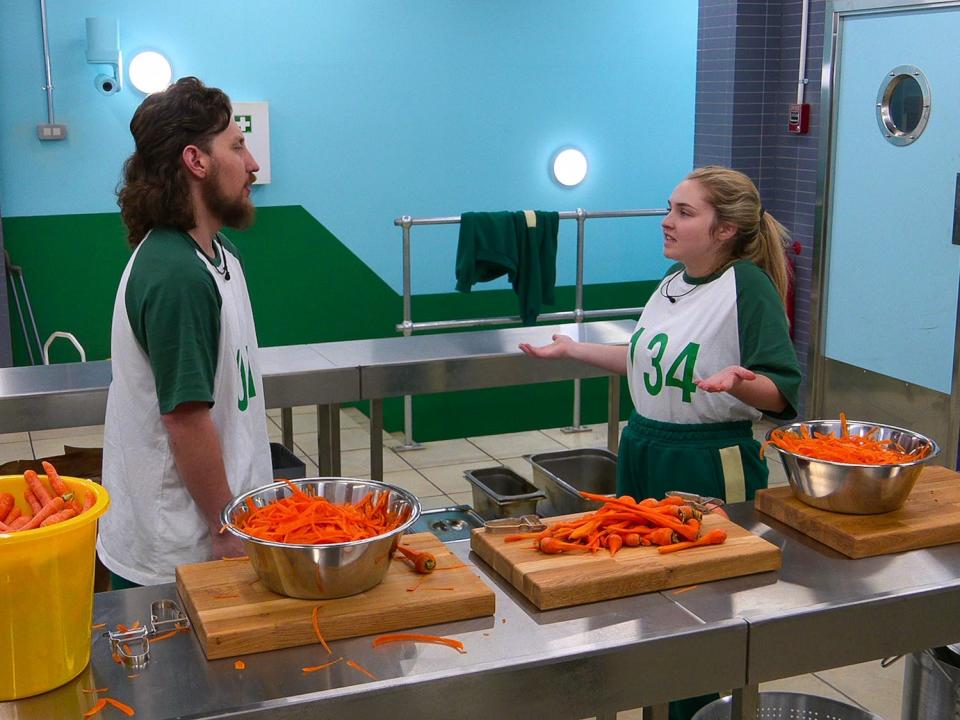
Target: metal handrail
578 314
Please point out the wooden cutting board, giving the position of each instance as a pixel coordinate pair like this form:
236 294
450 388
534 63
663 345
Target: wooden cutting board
234 614
930 516
553 581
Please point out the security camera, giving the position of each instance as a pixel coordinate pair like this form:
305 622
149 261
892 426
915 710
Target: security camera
106 84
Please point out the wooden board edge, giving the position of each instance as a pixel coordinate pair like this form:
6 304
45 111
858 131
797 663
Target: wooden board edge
196 621
480 605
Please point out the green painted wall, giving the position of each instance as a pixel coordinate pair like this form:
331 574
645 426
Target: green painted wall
306 286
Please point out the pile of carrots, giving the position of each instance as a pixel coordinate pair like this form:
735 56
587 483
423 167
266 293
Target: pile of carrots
302 519
854 449
671 524
48 505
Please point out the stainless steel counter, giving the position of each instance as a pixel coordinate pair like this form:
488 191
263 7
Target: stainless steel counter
568 663
419 365
824 610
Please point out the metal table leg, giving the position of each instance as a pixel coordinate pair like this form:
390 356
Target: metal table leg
613 412
286 428
328 440
376 440
746 701
655 712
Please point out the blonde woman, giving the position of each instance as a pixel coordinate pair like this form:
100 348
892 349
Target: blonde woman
711 352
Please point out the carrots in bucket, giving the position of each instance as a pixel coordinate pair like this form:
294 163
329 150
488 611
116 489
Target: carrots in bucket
47 505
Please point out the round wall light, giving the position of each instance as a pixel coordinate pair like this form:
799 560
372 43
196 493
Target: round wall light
569 167
150 72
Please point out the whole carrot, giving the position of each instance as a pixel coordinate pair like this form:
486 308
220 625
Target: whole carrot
714 537
88 499
37 487
32 501
423 562
60 487
20 522
65 514
52 507
6 505
13 515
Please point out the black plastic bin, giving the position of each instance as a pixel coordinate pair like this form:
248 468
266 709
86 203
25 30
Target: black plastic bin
286 464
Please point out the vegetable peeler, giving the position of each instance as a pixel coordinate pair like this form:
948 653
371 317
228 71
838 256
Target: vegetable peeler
522 524
698 502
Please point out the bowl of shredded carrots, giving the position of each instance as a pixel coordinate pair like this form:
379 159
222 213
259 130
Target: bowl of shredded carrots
321 538
854 467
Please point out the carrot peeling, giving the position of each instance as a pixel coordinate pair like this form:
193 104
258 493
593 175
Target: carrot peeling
122 707
418 637
94 690
239 665
361 668
423 562
97 707
316 629
314 668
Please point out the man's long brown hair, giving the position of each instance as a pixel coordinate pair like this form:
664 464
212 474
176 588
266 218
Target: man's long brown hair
154 190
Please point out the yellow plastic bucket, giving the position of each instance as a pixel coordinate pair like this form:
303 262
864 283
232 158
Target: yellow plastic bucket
46 596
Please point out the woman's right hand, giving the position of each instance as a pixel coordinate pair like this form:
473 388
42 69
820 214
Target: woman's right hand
559 348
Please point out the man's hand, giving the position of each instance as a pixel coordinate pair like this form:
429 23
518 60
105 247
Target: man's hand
725 380
226 545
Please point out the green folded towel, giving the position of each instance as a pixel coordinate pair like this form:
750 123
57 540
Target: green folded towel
497 243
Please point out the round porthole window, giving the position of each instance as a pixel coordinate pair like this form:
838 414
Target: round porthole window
903 104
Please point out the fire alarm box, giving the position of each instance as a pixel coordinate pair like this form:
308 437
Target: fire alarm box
798 119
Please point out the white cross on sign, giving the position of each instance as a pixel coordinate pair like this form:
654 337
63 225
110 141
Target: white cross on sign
245 122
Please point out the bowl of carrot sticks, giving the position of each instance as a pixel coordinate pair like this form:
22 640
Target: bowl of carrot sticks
321 538
854 467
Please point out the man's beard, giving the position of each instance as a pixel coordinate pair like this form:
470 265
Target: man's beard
236 212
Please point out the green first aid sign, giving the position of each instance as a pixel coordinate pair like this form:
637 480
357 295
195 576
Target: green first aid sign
245 122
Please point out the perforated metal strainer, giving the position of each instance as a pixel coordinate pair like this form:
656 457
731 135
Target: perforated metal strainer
790 706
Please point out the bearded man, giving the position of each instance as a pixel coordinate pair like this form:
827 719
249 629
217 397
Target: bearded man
185 427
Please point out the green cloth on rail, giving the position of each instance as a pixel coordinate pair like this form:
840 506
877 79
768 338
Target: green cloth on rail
493 244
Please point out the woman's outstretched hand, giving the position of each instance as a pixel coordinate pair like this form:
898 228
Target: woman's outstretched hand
725 380
559 348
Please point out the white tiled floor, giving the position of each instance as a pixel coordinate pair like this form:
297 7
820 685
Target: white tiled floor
435 474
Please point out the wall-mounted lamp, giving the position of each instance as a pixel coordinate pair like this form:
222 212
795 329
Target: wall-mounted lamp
569 167
103 48
150 72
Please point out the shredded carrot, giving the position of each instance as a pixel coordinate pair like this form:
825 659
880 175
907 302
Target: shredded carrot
239 665
418 637
847 448
361 668
417 585
97 707
95 690
235 557
314 668
303 519
98 626
316 629
122 707
133 677
166 635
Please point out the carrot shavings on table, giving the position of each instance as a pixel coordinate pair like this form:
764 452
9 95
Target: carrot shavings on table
314 668
97 707
361 668
316 629
623 522
418 637
239 665
847 448
94 690
302 519
122 707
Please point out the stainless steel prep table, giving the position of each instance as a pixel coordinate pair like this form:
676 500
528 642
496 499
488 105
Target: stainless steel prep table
824 610
44 397
426 364
568 663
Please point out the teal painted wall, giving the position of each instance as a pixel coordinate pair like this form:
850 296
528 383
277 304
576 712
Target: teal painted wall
382 108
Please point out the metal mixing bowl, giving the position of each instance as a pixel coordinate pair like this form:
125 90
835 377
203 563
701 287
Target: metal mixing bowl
850 488
323 571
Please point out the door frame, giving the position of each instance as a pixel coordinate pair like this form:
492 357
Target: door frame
835 13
